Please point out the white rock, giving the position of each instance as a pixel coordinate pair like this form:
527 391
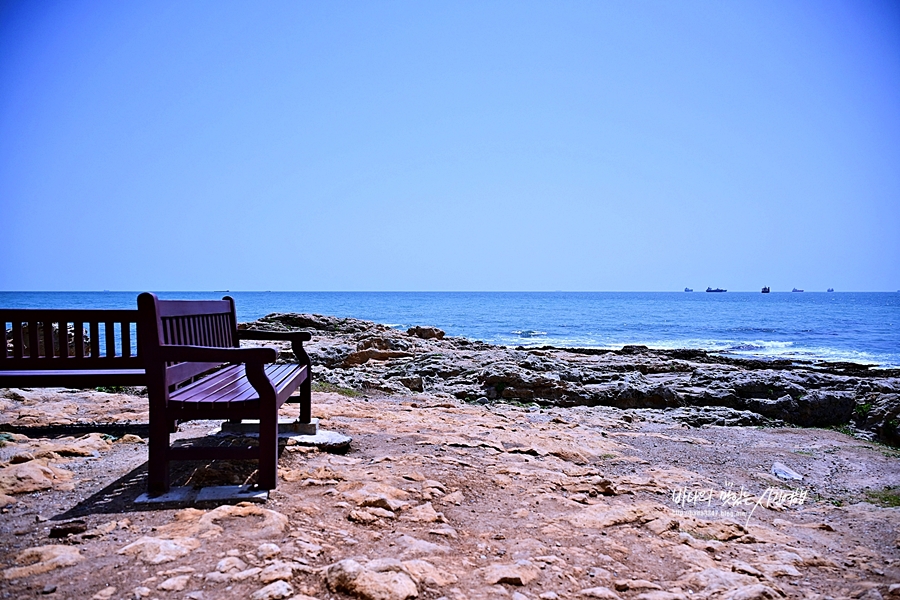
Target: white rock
661 595
756 591
521 572
174 584
246 574
411 545
156 550
41 559
424 513
351 577
782 471
230 563
105 594
274 591
265 551
278 570
604 593
425 573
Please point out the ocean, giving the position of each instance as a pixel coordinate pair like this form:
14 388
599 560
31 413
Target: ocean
837 326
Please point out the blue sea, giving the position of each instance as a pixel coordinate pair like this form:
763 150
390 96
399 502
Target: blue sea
838 326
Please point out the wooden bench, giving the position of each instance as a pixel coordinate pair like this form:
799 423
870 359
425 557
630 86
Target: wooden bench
74 348
196 370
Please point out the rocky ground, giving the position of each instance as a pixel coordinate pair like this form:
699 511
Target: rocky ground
632 475
362 355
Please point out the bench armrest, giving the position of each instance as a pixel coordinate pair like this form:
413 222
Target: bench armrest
172 353
284 336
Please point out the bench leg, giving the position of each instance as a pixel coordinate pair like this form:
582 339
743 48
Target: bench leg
158 461
306 399
268 445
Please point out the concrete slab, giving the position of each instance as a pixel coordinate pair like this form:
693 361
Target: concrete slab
231 493
175 495
285 426
329 441
217 494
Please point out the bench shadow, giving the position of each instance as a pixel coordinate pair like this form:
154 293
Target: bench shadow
116 498
120 496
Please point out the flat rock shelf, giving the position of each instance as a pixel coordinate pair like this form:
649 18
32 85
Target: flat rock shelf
551 486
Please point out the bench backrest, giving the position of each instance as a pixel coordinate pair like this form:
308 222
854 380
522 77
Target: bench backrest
184 322
56 339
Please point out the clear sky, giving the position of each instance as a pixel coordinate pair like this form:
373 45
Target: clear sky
483 145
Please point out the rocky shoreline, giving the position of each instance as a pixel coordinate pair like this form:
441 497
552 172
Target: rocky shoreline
475 473
698 387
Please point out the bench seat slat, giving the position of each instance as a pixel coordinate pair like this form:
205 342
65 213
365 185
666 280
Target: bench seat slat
225 386
70 378
209 384
229 388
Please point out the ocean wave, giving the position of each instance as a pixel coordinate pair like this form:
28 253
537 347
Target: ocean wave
758 349
527 333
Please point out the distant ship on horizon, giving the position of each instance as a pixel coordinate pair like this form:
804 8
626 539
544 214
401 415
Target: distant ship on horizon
709 289
830 290
688 290
766 290
796 290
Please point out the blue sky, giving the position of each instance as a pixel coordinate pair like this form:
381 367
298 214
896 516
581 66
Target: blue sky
585 146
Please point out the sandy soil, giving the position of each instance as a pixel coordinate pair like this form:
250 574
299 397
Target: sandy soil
439 498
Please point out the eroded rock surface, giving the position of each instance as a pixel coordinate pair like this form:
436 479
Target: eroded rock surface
584 488
483 501
361 355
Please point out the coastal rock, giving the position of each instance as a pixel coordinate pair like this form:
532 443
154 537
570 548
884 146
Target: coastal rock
42 559
33 476
378 580
278 590
521 572
880 413
156 550
425 573
426 333
42 351
602 593
820 408
756 591
174 584
698 416
245 520
365 356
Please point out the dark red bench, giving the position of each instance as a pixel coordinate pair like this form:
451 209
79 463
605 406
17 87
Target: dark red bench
49 348
196 370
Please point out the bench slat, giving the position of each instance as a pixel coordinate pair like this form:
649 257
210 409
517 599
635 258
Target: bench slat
213 453
72 378
210 385
110 329
183 308
95 339
230 386
18 342
126 339
79 339
48 339
55 314
33 339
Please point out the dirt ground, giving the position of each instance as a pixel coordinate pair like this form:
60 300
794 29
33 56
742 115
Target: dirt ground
437 498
